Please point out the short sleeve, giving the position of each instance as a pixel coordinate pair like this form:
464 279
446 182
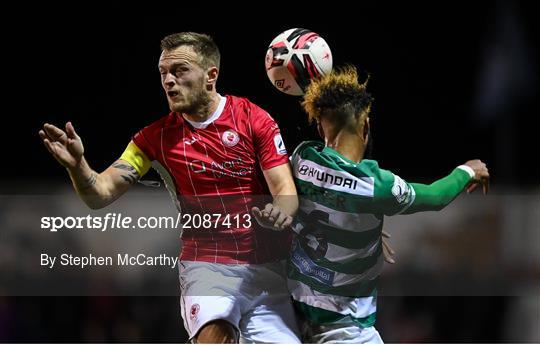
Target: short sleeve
269 145
141 140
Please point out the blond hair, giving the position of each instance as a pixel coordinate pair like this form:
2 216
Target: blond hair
337 94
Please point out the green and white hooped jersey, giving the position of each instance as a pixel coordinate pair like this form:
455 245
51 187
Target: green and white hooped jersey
337 256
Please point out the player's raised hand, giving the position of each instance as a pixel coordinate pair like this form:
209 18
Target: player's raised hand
272 217
65 146
481 175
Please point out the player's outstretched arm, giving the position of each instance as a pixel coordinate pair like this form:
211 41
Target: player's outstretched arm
279 214
96 190
442 192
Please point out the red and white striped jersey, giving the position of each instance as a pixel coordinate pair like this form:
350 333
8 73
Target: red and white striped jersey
215 167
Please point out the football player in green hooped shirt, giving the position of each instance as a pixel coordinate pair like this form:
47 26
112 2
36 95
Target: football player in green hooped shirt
337 252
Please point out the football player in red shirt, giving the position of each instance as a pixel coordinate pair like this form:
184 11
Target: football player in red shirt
215 154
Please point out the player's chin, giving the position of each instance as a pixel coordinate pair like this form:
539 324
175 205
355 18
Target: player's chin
177 106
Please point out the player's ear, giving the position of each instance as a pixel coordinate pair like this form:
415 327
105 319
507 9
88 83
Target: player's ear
211 75
320 129
366 130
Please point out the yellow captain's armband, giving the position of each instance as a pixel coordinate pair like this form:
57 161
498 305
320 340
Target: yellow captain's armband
134 156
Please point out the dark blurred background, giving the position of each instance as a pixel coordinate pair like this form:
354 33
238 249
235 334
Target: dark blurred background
452 81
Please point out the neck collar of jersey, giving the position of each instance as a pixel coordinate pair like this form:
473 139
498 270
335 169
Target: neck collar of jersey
342 158
214 117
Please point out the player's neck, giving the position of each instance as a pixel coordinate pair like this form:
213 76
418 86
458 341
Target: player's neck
350 146
206 110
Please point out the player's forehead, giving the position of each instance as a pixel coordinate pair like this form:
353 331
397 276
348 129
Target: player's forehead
179 55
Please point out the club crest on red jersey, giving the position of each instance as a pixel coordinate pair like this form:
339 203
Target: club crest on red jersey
230 138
